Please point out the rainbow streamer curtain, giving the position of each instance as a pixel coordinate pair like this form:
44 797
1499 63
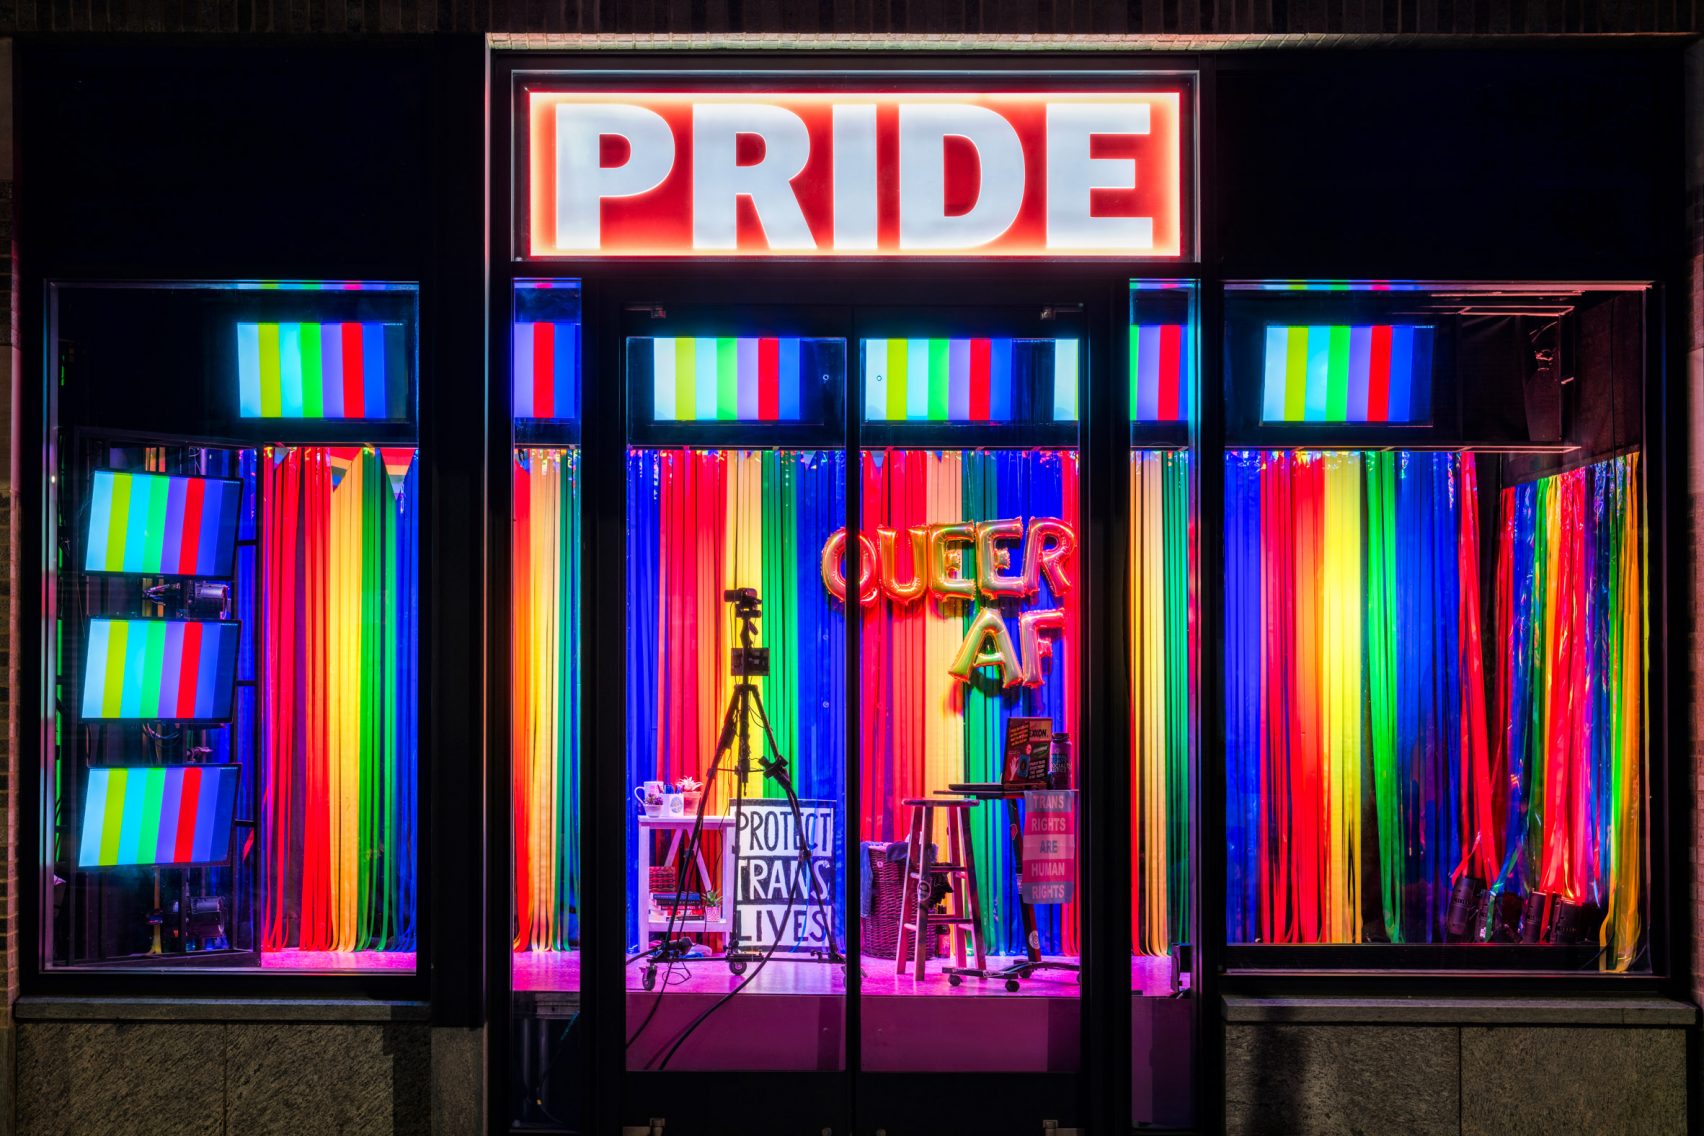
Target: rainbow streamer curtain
725 379
1374 373
166 669
322 370
158 815
1352 632
1566 777
970 380
1160 638
921 728
1159 373
545 701
547 369
161 526
700 522
339 603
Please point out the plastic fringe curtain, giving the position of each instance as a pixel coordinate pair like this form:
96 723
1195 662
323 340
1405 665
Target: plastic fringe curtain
1570 678
545 700
340 553
1160 638
922 729
700 522
1355 655
1348 616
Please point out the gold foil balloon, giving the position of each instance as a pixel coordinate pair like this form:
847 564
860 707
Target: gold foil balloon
1031 626
942 559
986 644
990 558
833 571
1051 543
913 589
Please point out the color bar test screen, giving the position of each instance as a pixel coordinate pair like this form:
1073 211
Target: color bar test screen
158 815
322 370
1373 373
160 670
155 525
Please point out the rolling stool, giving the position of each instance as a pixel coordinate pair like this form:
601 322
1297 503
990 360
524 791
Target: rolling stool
914 916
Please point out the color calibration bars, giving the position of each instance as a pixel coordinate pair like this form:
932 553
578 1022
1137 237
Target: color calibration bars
158 814
1376 373
152 524
159 669
1159 373
322 370
960 380
547 370
721 379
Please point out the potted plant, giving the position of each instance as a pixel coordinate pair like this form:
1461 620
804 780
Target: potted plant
693 790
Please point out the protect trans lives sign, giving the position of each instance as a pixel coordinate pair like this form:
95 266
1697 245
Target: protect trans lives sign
770 870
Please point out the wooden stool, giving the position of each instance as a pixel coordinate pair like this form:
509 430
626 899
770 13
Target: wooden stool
914 916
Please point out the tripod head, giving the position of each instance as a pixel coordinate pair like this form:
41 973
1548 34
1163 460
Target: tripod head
747 661
747 604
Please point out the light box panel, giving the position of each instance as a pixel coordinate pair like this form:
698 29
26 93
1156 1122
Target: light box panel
1159 373
157 525
970 380
1343 373
547 369
726 379
322 370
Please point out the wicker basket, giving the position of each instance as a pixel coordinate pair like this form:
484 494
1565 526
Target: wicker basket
879 933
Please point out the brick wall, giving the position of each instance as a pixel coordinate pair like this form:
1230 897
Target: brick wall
8 613
1317 20
1693 657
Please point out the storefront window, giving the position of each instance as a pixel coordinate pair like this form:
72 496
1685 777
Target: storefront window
544 693
735 715
1435 633
233 627
1162 653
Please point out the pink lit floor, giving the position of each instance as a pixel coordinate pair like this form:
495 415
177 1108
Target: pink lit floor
559 971
292 959
791 1017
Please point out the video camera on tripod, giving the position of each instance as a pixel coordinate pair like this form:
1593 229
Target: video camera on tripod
746 661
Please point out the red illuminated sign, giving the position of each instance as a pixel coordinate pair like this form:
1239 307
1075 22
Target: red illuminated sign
1071 174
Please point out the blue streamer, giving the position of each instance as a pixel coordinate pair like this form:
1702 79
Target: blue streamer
1244 794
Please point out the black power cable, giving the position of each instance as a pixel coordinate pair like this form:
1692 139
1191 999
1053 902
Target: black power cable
736 724
779 772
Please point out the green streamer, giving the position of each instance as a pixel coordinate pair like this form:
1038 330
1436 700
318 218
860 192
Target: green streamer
1380 647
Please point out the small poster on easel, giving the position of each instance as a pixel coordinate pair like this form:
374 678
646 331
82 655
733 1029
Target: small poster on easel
1050 847
1028 741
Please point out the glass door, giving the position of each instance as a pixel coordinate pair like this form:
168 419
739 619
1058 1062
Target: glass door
887 806
735 741
968 688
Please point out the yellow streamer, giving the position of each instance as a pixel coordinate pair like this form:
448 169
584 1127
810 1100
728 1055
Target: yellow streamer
1341 684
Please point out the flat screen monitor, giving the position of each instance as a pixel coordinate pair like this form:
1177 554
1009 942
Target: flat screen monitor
158 816
152 524
160 670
